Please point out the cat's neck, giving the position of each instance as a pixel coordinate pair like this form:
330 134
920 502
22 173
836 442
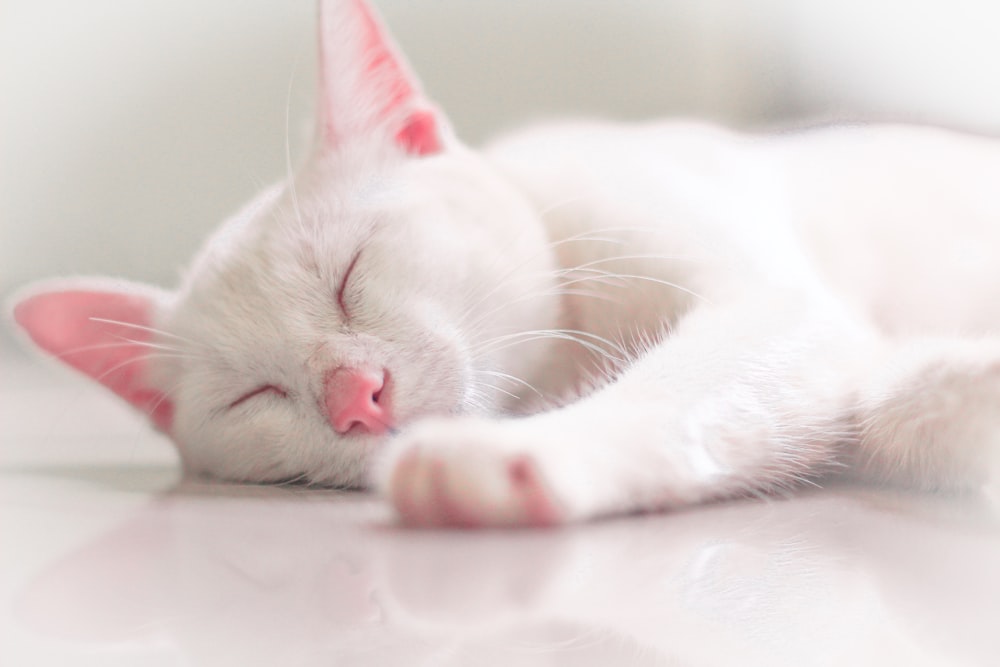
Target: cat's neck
612 260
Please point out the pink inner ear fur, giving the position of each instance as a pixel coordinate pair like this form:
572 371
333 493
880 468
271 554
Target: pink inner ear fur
68 325
420 134
385 75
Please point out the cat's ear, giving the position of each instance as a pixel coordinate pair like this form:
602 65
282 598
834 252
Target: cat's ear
367 88
103 330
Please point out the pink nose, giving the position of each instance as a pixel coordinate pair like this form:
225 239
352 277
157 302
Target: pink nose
357 398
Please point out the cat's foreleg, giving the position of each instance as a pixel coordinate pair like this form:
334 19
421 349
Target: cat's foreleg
738 399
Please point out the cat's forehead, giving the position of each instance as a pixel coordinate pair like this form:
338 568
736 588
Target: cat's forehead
290 243
317 205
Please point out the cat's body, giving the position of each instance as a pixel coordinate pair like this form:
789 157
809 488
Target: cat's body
842 296
891 219
677 312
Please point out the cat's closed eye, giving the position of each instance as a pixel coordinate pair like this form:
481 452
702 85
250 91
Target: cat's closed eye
258 391
342 290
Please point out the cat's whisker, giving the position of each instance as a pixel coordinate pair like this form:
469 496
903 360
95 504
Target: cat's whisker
152 330
511 378
601 275
556 290
479 398
590 294
642 340
167 351
572 271
473 402
599 351
104 346
588 267
553 292
599 233
133 360
555 206
514 272
501 390
617 258
579 337
549 332
650 279
174 352
167 394
146 344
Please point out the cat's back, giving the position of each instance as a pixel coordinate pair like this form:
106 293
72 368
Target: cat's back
900 220
581 157
690 184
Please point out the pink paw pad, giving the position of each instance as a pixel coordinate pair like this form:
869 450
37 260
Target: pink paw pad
429 490
531 492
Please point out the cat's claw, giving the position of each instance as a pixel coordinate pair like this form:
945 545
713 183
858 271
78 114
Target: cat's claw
443 477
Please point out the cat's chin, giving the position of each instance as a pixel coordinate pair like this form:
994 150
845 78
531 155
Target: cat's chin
305 476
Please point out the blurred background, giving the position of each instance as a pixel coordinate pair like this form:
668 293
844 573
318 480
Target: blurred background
129 129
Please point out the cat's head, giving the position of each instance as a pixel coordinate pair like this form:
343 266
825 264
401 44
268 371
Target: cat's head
367 291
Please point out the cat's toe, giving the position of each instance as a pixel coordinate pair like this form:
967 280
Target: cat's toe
450 475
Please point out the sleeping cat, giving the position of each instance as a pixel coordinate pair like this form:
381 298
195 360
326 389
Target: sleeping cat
583 319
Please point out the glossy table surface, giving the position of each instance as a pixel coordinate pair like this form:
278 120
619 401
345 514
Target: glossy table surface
108 558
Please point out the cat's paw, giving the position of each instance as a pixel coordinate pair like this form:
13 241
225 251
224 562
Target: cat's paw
469 473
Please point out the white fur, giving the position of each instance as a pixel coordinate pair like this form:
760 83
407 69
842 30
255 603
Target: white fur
262 300
679 312
764 366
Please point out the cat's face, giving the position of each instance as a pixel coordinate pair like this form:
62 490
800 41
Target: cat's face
400 271
337 307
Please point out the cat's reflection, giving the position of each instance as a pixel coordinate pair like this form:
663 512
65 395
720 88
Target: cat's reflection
230 575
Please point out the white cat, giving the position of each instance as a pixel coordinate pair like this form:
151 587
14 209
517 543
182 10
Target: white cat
673 312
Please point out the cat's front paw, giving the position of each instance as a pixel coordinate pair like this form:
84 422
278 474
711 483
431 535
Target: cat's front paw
470 473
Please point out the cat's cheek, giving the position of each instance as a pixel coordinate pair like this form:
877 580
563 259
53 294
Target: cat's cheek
433 371
232 447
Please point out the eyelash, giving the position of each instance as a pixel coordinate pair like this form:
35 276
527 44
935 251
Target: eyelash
343 285
263 389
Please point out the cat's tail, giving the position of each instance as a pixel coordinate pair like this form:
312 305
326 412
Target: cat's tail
929 416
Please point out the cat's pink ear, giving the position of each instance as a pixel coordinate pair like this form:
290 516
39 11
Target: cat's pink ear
105 334
366 86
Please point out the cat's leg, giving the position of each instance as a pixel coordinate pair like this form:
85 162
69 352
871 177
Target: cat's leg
739 399
930 415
